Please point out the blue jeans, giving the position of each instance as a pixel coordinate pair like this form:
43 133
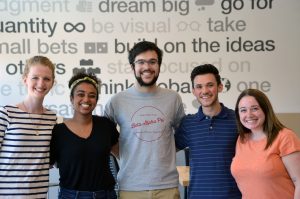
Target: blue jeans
73 194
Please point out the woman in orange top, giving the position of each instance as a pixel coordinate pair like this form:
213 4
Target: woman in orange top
267 160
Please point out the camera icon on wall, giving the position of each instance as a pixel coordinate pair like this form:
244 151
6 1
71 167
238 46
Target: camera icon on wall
86 66
96 47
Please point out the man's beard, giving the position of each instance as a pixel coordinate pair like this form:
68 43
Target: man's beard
142 83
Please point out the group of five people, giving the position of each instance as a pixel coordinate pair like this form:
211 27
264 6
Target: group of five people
243 153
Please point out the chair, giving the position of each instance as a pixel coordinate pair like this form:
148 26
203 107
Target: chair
187 163
114 167
187 156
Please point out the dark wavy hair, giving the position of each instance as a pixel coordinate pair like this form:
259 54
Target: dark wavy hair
271 126
205 69
144 46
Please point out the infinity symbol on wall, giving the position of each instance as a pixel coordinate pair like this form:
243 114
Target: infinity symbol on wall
79 27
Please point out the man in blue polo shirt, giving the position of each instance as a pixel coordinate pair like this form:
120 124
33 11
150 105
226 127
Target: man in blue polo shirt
210 134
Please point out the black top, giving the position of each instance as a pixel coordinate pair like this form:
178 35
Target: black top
84 163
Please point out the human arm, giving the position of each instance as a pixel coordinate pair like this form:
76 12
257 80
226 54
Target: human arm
177 124
114 139
115 150
181 136
109 111
179 113
291 163
53 147
4 122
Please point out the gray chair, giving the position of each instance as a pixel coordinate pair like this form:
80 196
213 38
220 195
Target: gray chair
114 167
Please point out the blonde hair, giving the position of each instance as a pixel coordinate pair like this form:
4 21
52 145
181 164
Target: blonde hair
38 60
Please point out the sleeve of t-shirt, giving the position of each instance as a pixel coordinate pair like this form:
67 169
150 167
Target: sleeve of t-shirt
289 142
109 111
114 133
179 113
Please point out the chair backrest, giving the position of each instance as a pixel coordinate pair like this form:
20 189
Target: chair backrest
114 164
114 167
187 156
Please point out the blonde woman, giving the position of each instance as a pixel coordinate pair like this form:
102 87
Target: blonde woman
25 134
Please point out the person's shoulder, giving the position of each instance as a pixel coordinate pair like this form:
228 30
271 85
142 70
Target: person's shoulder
188 120
189 117
120 94
9 107
103 121
3 109
231 112
228 111
286 132
61 124
286 136
50 115
168 92
227 108
288 141
10 110
99 118
50 112
58 127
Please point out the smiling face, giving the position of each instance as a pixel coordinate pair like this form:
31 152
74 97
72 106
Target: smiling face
251 115
206 90
84 98
39 80
146 68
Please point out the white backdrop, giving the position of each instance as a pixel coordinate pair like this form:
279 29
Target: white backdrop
254 43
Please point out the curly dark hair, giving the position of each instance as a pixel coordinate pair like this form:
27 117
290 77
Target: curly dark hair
80 77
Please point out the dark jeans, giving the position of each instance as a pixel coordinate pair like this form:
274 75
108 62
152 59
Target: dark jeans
73 194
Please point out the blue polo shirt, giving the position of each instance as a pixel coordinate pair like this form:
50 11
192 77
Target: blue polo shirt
211 142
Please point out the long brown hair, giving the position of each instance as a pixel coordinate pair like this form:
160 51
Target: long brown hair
271 125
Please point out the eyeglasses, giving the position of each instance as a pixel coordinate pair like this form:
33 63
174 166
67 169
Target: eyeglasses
142 62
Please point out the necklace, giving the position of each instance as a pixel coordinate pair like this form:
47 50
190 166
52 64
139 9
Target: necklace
36 124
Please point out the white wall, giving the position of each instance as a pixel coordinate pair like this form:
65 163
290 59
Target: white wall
267 30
